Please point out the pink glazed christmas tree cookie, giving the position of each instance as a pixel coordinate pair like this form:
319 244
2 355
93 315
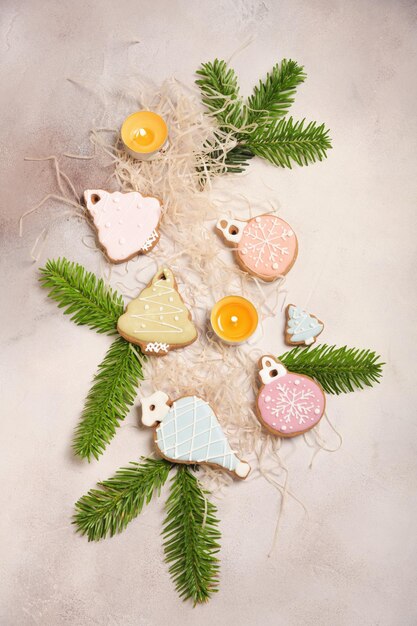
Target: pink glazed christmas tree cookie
126 223
288 404
265 246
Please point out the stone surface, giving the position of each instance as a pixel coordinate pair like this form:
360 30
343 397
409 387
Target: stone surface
352 561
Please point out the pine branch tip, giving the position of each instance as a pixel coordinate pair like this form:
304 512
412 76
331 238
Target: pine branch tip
337 369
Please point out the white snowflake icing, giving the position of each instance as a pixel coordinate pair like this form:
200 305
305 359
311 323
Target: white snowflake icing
266 241
293 404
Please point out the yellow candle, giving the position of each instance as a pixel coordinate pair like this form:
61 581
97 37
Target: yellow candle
234 319
144 133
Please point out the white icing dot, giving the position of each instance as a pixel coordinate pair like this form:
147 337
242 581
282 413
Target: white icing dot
161 317
311 324
107 224
291 427
243 251
161 308
275 266
143 325
153 288
296 382
274 423
283 427
122 240
290 233
116 199
317 411
171 299
176 318
146 307
257 219
268 399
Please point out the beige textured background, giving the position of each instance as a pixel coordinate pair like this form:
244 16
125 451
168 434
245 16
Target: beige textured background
353 560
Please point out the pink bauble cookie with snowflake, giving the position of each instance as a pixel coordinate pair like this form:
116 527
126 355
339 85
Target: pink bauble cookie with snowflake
288 404
265 246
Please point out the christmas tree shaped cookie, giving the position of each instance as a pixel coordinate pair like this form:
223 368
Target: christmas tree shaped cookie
187 431
158 320
301 327
126 223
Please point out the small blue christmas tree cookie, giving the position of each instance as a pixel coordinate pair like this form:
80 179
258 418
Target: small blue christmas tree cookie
301 327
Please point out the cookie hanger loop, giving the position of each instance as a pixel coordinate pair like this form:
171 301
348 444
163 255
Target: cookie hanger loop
154 408
163 273
271 369
93 196
232 230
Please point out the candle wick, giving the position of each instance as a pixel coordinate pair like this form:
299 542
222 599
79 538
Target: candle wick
234 319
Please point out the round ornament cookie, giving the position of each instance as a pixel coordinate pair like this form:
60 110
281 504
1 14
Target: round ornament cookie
288 404
187 431
158 320
126 223
265 246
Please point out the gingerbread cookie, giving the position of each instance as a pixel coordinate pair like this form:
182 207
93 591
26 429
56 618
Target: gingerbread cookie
158 320
187 431
126 223
301 328
265 246
287 404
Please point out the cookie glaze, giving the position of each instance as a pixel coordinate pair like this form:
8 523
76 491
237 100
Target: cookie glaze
266 246
126 223
188 432
301 327
158 319
288 404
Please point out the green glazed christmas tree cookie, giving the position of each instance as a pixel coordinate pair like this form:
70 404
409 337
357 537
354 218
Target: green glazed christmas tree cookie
158 320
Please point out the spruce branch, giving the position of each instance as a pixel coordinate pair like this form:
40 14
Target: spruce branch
220 93
235 161
191 538
109 399
108 510
82 295
338 370
284 141
257 124
273 97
